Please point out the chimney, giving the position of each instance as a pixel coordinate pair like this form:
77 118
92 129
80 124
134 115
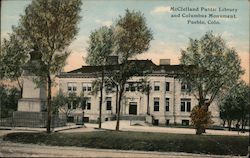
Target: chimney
164 61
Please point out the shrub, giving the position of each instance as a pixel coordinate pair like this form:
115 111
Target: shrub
201 118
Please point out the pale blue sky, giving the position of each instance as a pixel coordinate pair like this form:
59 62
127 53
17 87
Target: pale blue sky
170 34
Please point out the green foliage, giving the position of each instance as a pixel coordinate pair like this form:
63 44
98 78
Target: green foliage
8 100
61 102
14 55
235 104
143 141
47 29
100 46
217 66
132 36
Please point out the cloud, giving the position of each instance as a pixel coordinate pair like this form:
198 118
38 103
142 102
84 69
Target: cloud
161 9
104 22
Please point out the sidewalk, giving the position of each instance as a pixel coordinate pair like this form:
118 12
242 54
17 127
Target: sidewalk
57 129
125 126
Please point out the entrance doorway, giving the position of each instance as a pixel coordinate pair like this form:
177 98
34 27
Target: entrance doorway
132 108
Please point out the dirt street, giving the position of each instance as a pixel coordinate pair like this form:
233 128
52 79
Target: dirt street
8 149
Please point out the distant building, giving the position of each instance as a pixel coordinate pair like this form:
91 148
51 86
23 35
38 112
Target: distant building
170 101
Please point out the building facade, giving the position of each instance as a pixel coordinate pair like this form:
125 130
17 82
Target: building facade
169 101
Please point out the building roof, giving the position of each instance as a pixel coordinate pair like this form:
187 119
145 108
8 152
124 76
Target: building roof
144 65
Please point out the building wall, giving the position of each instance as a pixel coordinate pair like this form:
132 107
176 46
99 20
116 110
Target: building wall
175 95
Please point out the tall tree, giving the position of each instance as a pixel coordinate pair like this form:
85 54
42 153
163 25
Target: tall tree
132 37
217 67
234 106
49 26
100 48
13 57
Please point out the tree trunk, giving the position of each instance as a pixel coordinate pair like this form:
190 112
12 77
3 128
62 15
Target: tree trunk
224 122
116 99
148 111
229 124
20 87
199 130
119 109
206 107
49 105
100 104
242 125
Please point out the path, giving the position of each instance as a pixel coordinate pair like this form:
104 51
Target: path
125 126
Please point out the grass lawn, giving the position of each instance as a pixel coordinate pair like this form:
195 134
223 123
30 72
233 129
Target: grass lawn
165 142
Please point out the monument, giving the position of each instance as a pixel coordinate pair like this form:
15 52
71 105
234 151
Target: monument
34 95
31 109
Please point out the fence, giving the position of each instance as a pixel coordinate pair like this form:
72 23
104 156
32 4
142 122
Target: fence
32 119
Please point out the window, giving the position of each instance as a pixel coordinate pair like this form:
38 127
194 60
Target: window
185 105
185 87
108 103
109 88
89 88
139 87
85 119
126 87
86 87
167 122
156 86
167 104
188 106
132 87
156 104
86 104
167 86
74 104
156 122
72 87
185 122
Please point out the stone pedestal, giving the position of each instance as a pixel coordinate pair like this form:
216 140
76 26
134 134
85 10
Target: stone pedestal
31 105
34 96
